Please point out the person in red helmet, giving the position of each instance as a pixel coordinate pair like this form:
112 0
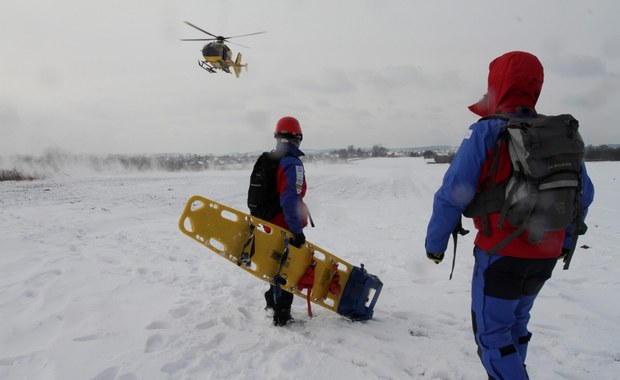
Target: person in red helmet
283 205
290 179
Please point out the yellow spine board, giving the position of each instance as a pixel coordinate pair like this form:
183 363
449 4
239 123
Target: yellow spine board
225 230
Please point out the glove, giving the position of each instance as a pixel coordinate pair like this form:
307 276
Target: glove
435 257
297 240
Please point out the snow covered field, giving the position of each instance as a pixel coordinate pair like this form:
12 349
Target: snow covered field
97 282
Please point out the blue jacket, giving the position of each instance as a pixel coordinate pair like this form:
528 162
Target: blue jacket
461 181
291 185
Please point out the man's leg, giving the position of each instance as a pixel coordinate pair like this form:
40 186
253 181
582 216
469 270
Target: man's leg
538 272
520 334
495 298
269 300
282 309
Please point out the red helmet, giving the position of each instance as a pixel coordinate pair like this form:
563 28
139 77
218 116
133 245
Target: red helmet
288 127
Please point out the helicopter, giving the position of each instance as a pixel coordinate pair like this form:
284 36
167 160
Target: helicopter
216 55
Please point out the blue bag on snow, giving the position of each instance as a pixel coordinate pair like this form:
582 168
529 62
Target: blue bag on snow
355 302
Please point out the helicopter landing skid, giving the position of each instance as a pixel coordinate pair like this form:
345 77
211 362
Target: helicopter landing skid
206 66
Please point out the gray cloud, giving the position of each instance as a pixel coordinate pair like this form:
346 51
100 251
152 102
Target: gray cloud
330 81
396 77
575 65
9 118
611 47
258 119
602 93
116 79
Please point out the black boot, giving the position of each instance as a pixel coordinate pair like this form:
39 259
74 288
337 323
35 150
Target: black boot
281 316
270 303
282 309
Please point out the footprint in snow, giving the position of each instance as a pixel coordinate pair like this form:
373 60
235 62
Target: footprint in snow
95 336
107 374
154 343
43 278
173 367
179 312
157 325
206 325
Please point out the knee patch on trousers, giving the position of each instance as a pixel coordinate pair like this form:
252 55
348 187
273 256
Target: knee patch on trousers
511 278
498 353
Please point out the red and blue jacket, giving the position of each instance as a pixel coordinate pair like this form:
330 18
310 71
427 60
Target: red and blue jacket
461 182
515 81
291 186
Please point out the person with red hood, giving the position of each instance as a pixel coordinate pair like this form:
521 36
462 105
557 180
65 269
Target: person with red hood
504 284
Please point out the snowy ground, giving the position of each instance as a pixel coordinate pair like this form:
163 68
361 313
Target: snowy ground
97 282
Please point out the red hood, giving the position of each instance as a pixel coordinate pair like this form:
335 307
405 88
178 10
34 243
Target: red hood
515 79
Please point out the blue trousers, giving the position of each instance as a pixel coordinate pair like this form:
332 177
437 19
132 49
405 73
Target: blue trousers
503 293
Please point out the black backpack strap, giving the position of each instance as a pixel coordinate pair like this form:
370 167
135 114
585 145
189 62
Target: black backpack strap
486 201
459 230
246 257
578 228
516 232
311 220
508 239
494 188
278 279
305 206
573 246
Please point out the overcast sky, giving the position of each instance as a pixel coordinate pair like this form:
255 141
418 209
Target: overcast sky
112 76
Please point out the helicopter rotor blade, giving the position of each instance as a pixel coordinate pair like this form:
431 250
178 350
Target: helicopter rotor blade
243 35
197 39
202 30
234 43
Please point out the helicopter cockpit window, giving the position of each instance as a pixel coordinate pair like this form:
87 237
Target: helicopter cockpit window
213 50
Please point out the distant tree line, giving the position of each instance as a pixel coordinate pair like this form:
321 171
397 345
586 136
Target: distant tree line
592 153
353 152
28 167
602 153
14 175
169 163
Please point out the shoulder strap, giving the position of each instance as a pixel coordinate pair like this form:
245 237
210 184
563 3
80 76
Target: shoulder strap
459 230
491 196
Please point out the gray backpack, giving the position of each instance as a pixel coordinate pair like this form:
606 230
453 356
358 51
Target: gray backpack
543 192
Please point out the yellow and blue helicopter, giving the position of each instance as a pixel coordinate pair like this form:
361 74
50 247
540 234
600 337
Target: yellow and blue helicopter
216 55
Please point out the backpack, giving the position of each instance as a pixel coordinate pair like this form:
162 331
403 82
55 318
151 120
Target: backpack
263 199
543 192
